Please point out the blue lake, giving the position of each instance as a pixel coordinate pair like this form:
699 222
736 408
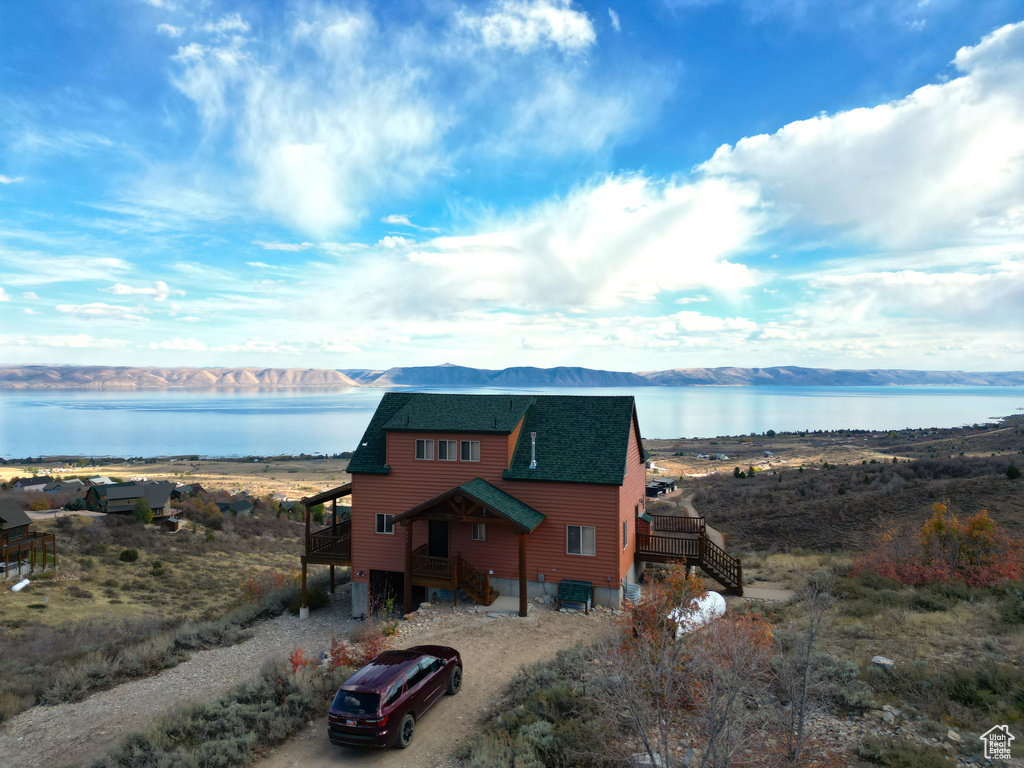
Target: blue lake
267 422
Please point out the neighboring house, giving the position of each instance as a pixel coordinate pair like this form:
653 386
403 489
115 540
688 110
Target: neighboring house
185 490
237 508
32 483
120 498
20 547
58 486
490 494
100 480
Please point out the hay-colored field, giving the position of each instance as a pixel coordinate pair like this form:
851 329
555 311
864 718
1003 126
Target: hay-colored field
294 478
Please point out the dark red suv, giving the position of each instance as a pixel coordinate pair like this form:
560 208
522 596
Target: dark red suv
380 704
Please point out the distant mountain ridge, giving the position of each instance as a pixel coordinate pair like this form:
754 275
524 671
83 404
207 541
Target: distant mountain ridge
447 375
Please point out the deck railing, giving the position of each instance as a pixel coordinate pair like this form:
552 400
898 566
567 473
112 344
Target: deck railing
334 540
473 581
668 546
430 567
678 524
15 553
713 555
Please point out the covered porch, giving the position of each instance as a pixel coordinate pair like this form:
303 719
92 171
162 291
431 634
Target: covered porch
330 545
432 564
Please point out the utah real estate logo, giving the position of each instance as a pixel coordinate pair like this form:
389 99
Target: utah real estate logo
997 742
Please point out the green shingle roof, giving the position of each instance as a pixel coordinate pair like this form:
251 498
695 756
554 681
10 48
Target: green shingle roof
486 495
508 506
580 438
371 455
429 412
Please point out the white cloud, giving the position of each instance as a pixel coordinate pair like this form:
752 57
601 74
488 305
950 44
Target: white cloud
616 240
616 22
30 296
35 268
76 341
524 25
170 30
403 220
100 311
230 23
11 179
159 290
282 246
692 299
3 295
391 241
944 166
324 138
180 345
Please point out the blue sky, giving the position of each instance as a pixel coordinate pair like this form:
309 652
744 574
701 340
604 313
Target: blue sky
636 186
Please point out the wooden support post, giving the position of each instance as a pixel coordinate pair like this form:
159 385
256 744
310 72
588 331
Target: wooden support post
334 512
522 575
44 554
407 597
55 554
332 579
304 603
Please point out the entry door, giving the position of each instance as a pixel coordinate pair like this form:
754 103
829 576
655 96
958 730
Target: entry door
437 542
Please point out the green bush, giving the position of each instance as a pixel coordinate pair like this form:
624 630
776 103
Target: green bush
232 730
546 720
1012 472
128 556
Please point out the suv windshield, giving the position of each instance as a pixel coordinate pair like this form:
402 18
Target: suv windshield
356 703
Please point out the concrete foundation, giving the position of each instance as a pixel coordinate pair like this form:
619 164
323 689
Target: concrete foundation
610 597
304 613
360 598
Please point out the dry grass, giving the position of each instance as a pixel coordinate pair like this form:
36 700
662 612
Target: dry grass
195 579
293 477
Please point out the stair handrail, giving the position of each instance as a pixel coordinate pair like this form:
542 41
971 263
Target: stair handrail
467 574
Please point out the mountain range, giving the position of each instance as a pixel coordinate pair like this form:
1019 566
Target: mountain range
448 375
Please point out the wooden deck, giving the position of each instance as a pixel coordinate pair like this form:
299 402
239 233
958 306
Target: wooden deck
685 540
330 546
25 554
452 573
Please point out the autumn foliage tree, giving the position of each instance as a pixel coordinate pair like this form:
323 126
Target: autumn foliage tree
946 549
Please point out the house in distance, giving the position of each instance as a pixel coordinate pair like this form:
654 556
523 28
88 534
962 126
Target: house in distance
500 494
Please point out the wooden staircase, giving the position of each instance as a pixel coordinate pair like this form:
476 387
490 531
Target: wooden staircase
451 573
685 540
474 583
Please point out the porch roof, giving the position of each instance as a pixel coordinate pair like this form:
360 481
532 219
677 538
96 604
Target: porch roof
520 515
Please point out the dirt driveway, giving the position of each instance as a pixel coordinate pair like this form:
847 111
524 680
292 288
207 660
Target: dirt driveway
492 652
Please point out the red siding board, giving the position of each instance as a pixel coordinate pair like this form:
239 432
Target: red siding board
412 481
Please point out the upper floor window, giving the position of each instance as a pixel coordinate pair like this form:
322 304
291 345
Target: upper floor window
625 534
384 524
580 539
471 450
425 449
479 531
447 450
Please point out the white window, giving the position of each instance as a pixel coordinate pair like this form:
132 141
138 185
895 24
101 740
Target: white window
425 449
625 534
479 532
447 450
471 450
384 523
580 539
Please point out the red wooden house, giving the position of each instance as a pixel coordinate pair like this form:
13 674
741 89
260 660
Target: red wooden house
497 494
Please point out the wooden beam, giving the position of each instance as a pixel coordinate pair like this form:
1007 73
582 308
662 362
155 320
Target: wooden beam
407 601
304 603
522 575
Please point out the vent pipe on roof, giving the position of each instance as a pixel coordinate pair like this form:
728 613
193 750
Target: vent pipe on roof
533 450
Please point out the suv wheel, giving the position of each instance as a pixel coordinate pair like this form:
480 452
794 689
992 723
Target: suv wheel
405 731
455 681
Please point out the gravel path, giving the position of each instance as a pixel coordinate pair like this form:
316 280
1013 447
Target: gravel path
73 734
